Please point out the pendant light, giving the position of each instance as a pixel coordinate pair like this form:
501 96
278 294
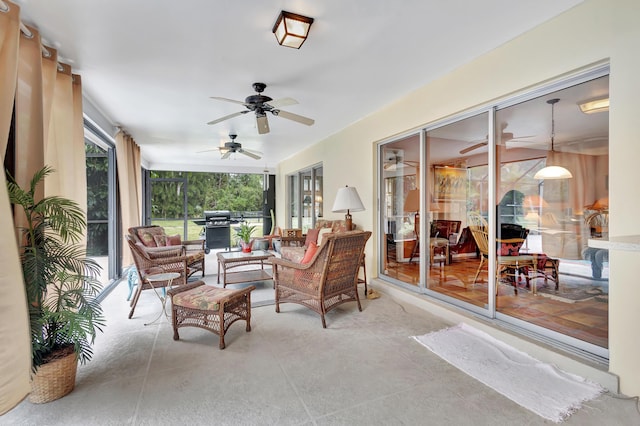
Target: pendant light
553 172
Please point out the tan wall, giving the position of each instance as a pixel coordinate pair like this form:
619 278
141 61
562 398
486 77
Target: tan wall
596 31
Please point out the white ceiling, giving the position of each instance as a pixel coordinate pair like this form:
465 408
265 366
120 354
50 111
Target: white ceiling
151 66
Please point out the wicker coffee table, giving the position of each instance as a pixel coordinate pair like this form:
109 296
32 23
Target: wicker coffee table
230 260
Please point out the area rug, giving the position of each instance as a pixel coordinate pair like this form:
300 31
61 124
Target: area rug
542 388
571 294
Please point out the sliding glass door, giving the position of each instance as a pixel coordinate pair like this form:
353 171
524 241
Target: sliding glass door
486 227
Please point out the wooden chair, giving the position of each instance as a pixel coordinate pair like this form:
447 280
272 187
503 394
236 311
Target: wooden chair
514 265
156 263
328 280
292 237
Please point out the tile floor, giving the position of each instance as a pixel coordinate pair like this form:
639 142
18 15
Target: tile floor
362 370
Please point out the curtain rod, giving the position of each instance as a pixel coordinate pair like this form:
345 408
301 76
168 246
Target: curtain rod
28 34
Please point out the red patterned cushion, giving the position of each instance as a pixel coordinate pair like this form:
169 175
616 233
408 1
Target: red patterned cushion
312 236
146 235
311 251
174 240
339 226
294 254
509 248
204 297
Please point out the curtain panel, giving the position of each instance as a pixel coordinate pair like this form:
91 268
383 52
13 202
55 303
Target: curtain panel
129 187
15 352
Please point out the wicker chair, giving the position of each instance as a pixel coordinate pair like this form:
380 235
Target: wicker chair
328 280
194 249
149 263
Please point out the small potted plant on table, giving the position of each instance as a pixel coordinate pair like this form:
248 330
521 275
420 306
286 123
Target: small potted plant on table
244 233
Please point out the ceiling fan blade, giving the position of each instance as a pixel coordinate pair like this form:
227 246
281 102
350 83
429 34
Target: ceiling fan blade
472 147
278 103
249 154
227 117
263 124
228 100
208 150
295 117
226 155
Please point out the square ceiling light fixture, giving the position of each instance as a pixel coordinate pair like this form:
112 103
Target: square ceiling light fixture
594 105
291 30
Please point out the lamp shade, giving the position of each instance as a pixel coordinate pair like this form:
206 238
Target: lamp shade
347 199
291 30
412 202
534 201
553 172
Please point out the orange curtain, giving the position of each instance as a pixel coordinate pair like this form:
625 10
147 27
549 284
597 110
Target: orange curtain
15 352
129 185
582 188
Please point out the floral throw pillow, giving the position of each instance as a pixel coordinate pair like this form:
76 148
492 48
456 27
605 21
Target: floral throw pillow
161 240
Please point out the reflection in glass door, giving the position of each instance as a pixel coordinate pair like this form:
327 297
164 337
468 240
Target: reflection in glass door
561 282
527 254
457 159
401 210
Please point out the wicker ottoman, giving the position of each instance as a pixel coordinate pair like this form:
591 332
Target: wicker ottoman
212 308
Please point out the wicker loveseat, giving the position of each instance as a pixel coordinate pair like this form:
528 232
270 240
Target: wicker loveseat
153 239
328 279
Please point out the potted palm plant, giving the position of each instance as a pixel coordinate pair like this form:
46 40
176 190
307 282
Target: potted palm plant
244 234
61 286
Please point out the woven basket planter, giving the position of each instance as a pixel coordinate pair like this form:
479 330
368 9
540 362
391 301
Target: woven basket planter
54 379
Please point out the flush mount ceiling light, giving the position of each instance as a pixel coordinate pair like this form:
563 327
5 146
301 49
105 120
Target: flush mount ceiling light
553 172
291 30
594 105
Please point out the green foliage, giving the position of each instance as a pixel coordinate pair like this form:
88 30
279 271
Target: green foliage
205 191
244 232
60 281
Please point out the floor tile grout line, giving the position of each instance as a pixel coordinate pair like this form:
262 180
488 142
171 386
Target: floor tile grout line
288 379
146 376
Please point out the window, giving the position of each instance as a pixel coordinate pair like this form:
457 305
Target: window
305 202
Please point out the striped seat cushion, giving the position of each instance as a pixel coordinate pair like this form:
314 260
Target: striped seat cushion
204 297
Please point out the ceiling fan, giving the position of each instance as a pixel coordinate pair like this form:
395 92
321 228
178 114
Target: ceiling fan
232 147
397 162
504 138
261 105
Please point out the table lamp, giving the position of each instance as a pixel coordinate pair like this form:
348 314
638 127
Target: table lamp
347 200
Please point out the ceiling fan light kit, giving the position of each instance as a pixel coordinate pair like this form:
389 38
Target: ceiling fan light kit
291 29
553 172
231 147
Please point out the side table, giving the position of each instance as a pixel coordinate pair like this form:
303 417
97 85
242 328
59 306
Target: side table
166 276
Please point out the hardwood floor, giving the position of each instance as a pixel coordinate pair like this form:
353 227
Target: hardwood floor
579 314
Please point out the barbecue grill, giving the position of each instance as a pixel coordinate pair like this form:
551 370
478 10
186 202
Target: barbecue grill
217 225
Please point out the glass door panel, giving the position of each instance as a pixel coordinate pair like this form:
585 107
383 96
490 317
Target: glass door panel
560 282
457 176
401 210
